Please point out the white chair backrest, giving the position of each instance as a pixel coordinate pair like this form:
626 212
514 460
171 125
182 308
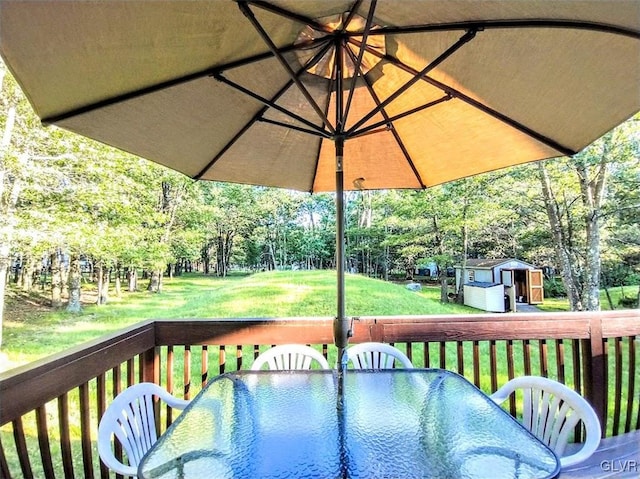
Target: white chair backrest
377 356
551 411
131 419
289 357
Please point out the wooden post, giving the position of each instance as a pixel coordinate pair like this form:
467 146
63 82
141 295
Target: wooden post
150 365
595 372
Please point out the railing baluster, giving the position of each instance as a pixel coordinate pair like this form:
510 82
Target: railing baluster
21 449
170 369
43 442
85 426
559 344
460 356
65 435
5 472
526 356
222 359
443 355
511 374
617 344
577 354
239 357
476 363
544 361
631 392
427 359
101 402
116 388
493 365
186 365
131 371
409 351
204 366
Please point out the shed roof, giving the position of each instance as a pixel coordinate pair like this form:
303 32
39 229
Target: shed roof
491 263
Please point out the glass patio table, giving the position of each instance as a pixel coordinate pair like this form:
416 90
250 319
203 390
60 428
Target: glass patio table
400 423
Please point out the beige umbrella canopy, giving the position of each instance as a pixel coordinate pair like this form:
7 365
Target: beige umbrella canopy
320 95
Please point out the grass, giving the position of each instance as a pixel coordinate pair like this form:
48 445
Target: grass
34 334
616 293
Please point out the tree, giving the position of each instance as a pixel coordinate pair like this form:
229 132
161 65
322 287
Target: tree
575 210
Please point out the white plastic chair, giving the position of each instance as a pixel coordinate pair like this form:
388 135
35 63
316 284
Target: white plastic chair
131 419
288 357
377 356
551 411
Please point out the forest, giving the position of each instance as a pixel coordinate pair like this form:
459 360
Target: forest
74 210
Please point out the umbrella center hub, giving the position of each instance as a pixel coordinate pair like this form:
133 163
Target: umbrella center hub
345 37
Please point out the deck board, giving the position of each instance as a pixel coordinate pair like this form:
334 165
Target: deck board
617 457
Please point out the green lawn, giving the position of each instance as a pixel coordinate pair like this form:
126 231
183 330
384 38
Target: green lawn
616 293
28 337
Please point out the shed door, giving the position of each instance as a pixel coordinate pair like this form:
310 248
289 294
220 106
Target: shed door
535 287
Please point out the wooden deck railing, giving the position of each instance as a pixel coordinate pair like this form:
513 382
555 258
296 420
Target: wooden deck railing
49 410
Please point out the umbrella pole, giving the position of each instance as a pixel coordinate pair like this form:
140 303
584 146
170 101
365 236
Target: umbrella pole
341 325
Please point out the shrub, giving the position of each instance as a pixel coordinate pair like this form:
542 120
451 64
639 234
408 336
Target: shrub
554 288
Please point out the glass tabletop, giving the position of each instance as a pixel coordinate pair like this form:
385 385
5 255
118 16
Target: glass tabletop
425 423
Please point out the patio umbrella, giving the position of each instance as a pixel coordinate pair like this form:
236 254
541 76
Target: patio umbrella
330 95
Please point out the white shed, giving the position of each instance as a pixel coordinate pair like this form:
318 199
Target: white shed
522 282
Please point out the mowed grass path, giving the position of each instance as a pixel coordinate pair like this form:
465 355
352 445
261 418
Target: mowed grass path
268 294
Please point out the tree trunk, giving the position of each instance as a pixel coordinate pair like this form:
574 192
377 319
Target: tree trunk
118 282
56 280
609 300
205 255
271 257
28 272
225 243
103 284
8 202
465 253
132 280
75 284
592 196
154 282
567 268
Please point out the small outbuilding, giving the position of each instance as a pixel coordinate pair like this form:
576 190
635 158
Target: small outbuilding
498 285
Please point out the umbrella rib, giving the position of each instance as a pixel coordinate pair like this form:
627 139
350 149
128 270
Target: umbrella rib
358 61
476 104
394 132
352 12
502 117
293 127
261 112
399 116
175 82
467 37
507 24
331 85
265 37
239 134
287 14
270 103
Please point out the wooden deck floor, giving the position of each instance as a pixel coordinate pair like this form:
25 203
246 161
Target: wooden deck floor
617 457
